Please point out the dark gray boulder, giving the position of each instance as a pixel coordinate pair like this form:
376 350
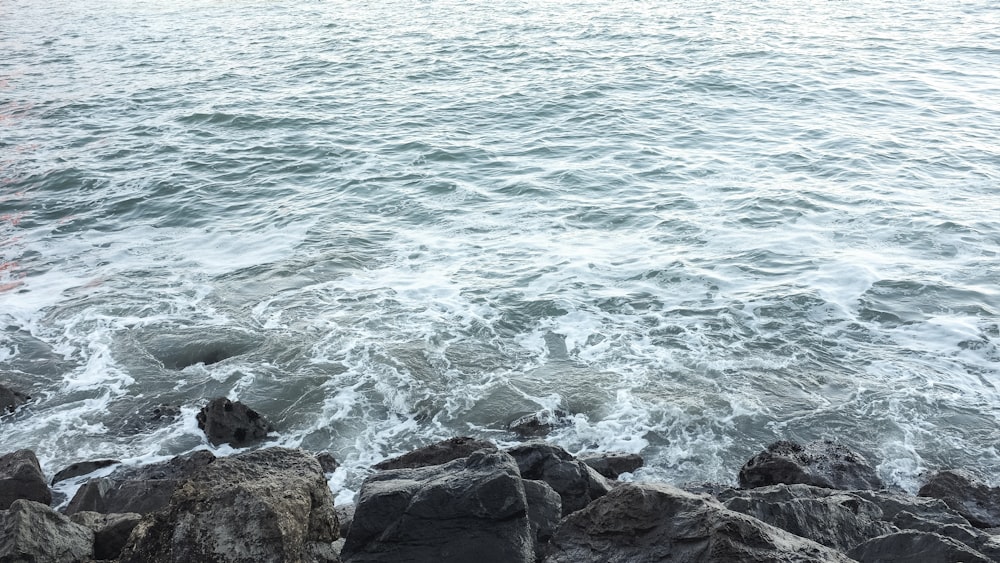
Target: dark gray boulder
836 519
612 464
228 422
892 503
978 540
576 482
33 532
538 424
436 453
266 505
327 462
141 489
82 468
21 477
544 512
11 399
469 509
977 502
911 545
654 523
111 531
820 464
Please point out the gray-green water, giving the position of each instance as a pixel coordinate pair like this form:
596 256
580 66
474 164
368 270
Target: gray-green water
698 226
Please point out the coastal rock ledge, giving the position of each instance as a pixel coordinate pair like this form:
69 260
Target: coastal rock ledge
464 500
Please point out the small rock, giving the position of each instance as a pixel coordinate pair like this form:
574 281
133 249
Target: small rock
437 453
21 478
226 422
820 464
910 545
10 399
978 503
612 464
111 531
327 462
536 425
576 482
82 468
31 531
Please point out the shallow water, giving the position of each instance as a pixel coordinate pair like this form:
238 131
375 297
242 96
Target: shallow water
699 227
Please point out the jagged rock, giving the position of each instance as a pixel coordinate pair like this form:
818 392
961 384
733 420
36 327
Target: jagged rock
21 478
576 482
979 540
544 512
138 489
436 453
469 509
910 545
111 531
655 523
32 532
10 399
612 464
978 503
836 519
82 468
266 505
932 510
327 462
820 464
226 422
538 424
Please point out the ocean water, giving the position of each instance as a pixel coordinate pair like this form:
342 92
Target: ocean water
698 227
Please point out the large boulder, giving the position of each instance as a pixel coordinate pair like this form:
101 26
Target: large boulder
21 477
576 482
820 464
911 545
836 519
654 523
977 502
612 464
10 399
436 453
268 505
33 532
469 509
228 422
141 489
111 531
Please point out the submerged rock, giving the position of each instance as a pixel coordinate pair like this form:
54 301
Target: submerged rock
469 509
31 531
612 464
536 425
576 482
11 399
977 502
820 464
228 422
436 453
21 477
654 523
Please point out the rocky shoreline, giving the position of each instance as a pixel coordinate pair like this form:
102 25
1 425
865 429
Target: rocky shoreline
466 500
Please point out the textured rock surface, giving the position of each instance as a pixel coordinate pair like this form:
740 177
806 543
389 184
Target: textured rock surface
33 532
111 531
975 501
10 399
576 482
82 468
544 512
472 509
910 545
21 478
267 505
228 422
613 464
659 523
538 424
821 464
437 453
836 519
327 462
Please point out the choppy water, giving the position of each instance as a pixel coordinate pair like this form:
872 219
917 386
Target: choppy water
698 226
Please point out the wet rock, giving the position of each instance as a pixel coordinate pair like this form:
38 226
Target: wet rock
437 453
10 399
111 531
836 519
977 502
82 468
21 478
538 424
228 422
138 489
910 545
658 523
612 464
327 462
820 464
150 418
266 505
33 532
544 512
469 509
576 482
